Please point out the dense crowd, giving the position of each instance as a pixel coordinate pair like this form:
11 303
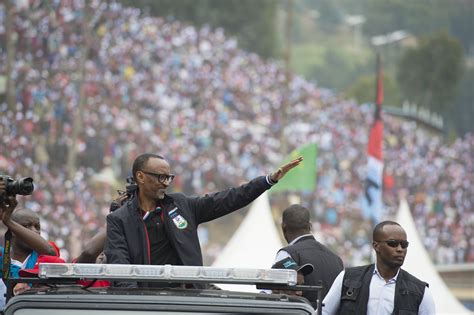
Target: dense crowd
217 113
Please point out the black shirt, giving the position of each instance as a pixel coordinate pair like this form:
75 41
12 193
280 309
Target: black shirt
161 250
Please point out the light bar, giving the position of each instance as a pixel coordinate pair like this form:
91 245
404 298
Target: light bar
168 273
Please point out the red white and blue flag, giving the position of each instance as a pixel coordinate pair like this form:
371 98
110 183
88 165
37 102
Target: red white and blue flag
373 205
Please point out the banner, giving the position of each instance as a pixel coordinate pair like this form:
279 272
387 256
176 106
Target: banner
372 200
302 177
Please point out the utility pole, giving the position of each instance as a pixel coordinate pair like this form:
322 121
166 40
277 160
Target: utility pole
79 115
10 37
286 97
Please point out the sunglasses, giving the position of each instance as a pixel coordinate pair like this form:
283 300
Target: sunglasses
395 243
162 178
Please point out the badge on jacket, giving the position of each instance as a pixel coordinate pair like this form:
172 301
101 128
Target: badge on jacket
178 219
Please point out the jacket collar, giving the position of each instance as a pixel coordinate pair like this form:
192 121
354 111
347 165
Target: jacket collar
134 203
302 238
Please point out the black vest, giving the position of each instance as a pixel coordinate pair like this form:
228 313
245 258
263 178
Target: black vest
327 265
409 292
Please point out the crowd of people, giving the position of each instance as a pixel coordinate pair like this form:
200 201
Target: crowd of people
217 113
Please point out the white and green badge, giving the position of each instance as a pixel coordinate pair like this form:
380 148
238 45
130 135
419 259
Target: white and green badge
178 219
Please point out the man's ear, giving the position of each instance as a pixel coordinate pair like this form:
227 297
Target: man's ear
140 177
375 246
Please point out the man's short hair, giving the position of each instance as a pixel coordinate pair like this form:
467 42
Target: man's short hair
296 217
21 212
379 228
140 162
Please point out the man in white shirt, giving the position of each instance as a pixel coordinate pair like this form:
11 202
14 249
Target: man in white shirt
382 288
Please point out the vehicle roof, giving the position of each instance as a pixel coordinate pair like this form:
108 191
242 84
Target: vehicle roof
76 297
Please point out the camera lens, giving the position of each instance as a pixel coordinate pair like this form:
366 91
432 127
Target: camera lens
22 186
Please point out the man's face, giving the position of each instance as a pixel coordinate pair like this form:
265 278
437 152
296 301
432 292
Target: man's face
392 257
29 221
151 178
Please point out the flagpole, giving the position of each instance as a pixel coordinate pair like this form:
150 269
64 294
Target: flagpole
286 97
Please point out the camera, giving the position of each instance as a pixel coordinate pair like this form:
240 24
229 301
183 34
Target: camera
22 186
124 196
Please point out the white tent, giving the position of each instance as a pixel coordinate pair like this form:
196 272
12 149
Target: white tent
253 245
419 264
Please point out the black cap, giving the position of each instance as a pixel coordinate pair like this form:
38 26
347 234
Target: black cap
289 263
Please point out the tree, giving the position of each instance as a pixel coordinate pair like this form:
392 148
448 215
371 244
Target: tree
464 113
339 68
329 16
363 90
418 17
429 74
253 24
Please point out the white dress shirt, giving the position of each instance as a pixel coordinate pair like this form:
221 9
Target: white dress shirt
381 296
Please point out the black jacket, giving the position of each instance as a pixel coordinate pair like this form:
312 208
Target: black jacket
409 291
127 240
327 265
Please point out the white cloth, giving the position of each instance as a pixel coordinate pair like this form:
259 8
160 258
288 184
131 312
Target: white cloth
3 291
381 297
3 287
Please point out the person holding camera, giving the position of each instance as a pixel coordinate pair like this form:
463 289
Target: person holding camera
26 242
158 228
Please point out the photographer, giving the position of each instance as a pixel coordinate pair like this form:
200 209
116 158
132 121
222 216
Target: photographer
26 243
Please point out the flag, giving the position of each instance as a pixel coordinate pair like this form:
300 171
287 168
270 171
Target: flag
302 177
372 201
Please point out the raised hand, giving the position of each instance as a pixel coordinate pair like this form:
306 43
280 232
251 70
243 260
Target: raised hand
7 207
282 170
